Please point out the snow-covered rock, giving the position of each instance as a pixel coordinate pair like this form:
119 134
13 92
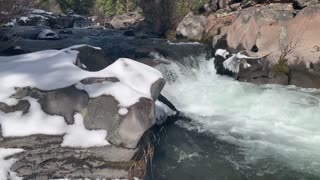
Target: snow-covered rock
48 34
49 94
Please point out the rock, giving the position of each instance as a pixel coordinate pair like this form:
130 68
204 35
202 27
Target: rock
126 21
218 64
129 33
300 4
257 25
33 20
65 32
92 59
261 72
217 26
45 158
48 34
118 100
285 59
192 26
303 76
14 50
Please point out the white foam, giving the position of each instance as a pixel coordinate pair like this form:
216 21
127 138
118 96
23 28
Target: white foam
163 112
183 43
277 123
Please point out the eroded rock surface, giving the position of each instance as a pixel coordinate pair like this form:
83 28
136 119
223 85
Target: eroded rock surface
287 42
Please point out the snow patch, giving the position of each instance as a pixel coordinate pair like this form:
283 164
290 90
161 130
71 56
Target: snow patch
5 164
78 136
222 52
123 111
34 122
10 24
24 19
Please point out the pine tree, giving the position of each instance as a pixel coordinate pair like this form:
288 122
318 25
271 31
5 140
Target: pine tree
110 7
120 7
131 5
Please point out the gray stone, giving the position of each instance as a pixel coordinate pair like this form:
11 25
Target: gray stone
63 102
134 124
302 76
94 59
192 26
44 158
126 21
48 34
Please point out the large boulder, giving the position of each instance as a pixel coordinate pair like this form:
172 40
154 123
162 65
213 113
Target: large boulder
300 4
192 26
48 34
126 21
33 20
74 123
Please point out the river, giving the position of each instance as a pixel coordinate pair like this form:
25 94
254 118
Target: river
236 131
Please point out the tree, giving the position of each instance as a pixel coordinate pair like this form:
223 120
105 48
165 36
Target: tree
120 6
78 6
110 7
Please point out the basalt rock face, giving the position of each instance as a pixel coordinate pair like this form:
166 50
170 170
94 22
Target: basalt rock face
288 43
192 26
46 156
130 20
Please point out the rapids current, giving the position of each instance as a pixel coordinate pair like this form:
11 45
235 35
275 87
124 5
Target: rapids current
237 130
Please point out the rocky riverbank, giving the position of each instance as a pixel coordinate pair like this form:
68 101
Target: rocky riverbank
278 43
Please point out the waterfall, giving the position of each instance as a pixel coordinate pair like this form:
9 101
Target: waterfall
273 126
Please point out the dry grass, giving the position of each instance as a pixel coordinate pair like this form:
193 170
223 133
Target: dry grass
144 156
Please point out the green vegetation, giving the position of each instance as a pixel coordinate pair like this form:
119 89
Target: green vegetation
78 6
281 67
97 7
182 7
170 35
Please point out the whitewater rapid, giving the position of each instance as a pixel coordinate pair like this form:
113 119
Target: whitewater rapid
273 126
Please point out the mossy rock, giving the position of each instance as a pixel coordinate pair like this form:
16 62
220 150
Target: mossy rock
281 67
207 38
171 35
